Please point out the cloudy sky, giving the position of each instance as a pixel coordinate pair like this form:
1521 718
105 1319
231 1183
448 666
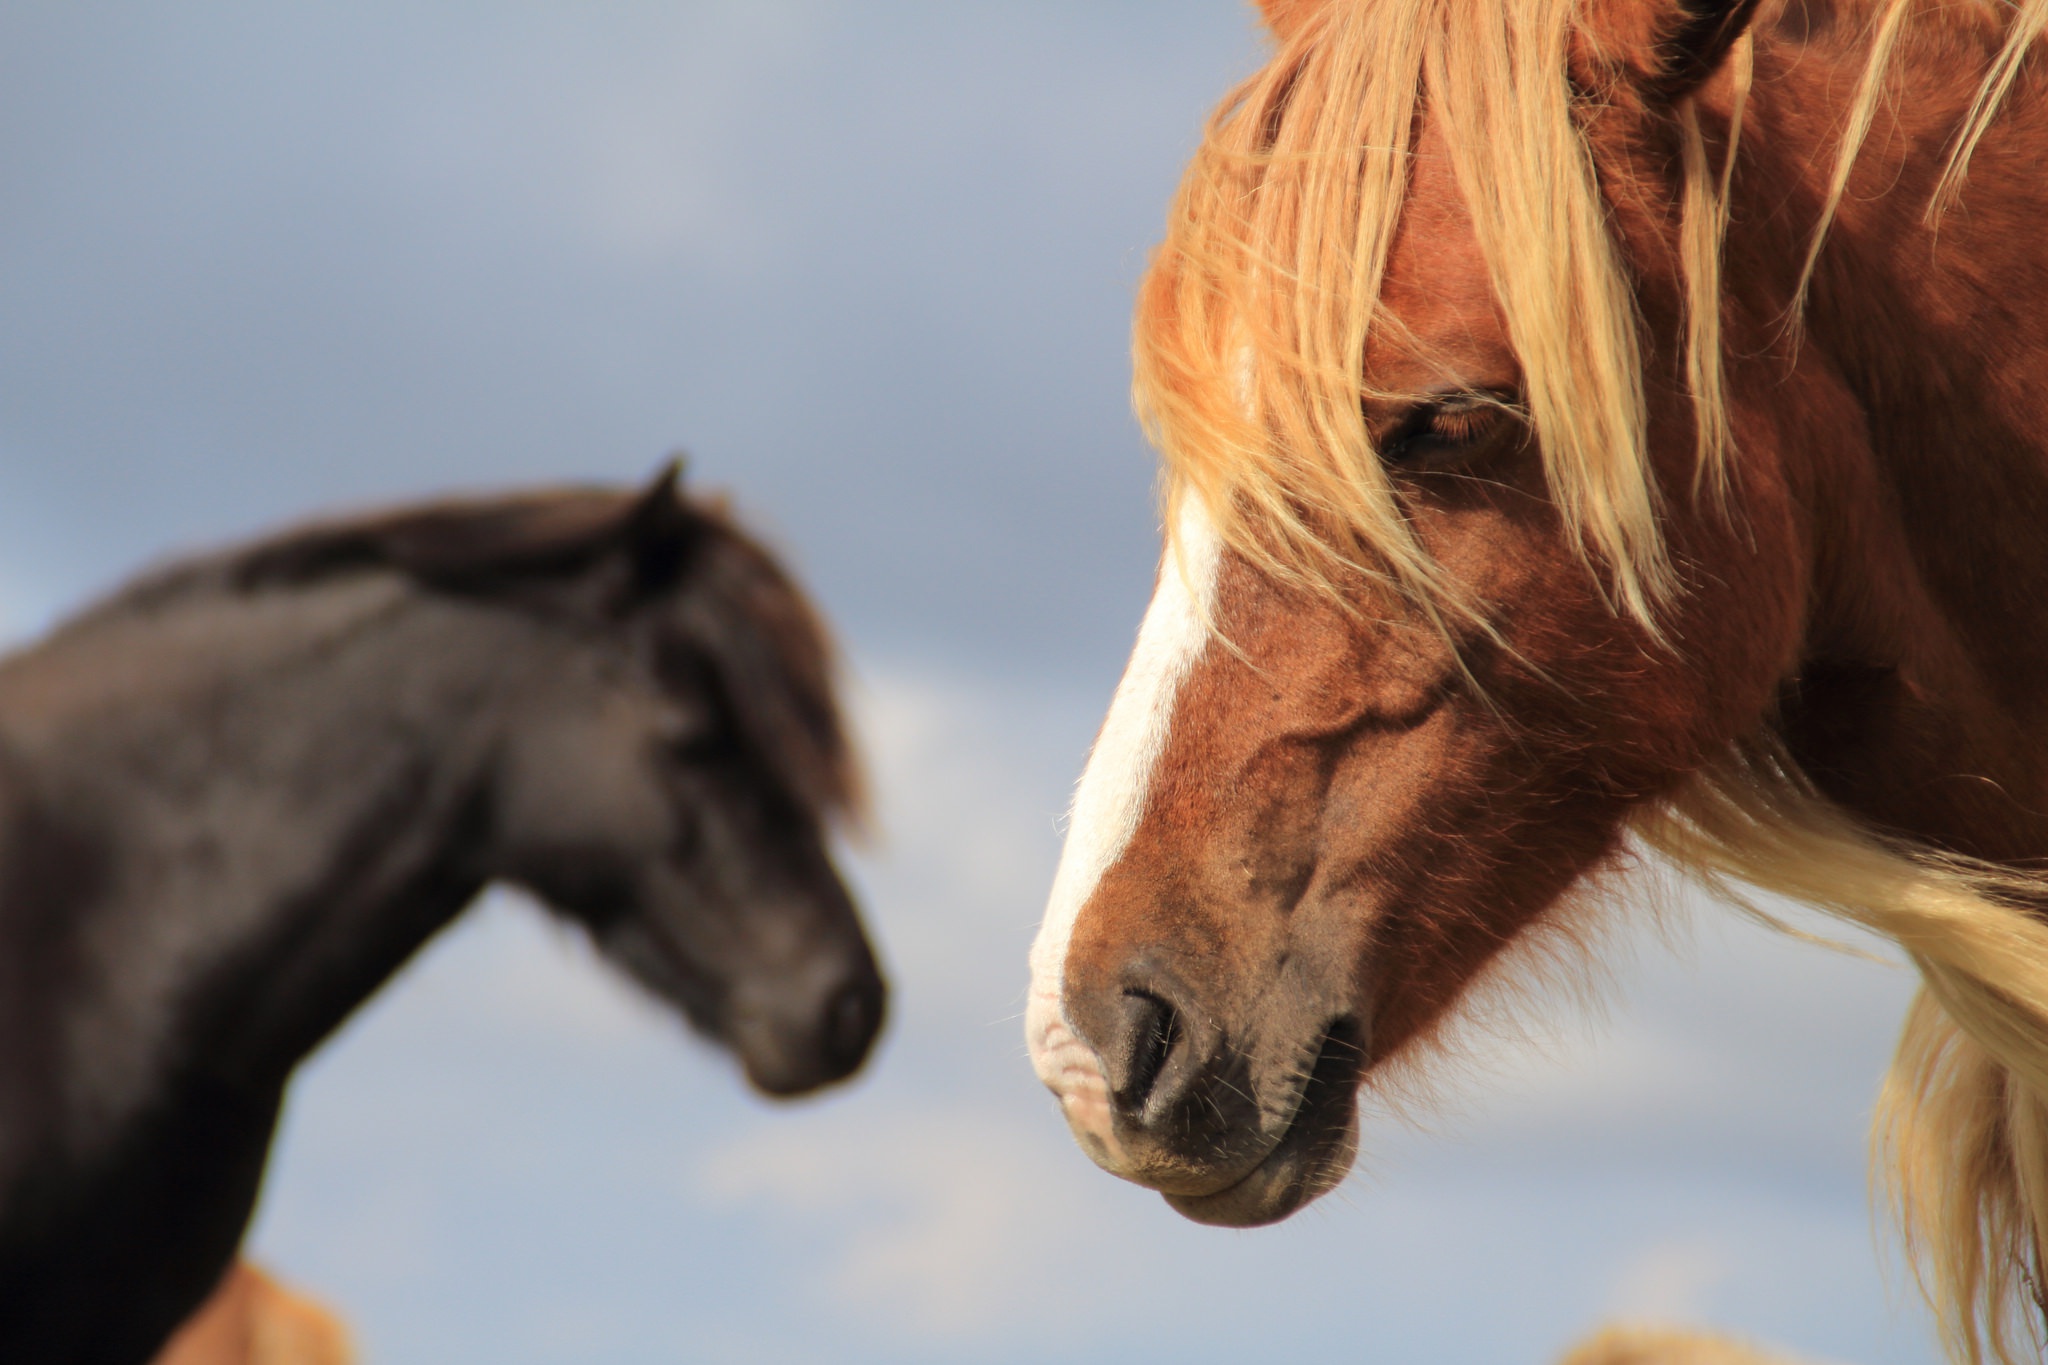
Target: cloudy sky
870 264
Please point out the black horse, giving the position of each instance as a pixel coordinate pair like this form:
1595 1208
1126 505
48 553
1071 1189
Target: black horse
241 793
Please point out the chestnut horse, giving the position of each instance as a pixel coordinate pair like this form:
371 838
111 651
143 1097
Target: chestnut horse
240 794
1581 419
1639 1346
251 1319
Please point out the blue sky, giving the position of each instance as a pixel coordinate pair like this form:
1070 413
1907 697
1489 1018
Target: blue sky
871 264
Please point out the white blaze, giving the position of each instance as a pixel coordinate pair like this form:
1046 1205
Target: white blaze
1108 803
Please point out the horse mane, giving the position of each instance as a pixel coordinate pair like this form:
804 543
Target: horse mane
480 545
1960 1133
1248 352
717 606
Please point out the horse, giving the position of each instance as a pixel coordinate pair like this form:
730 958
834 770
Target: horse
242 792
251 1319
1627 1345
1586 426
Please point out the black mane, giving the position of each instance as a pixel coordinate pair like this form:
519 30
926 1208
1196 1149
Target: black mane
653 558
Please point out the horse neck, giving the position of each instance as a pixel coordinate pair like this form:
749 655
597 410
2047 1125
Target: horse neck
272 787
1922 450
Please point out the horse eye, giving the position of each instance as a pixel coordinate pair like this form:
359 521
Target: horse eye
695 741
698 745
1445 426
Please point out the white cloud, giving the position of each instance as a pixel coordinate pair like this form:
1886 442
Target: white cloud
511 967
949 782
970 783
1670 1282
938 1222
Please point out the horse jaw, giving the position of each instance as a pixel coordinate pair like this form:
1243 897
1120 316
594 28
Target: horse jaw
1107 805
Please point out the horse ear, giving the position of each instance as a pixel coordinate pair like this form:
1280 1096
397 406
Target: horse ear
662 496
1287 17
1665 48
658 529
1705 31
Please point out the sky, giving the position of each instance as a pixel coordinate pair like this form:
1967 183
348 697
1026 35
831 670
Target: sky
871 265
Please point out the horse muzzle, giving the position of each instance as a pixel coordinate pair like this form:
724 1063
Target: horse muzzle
1235 1126
799 1031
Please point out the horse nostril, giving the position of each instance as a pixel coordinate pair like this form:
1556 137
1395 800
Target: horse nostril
1151 1028
851 1019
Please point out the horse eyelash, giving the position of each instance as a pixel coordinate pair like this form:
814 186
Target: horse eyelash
1454 421
1459 424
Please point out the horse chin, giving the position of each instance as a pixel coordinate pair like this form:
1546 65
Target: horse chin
1287 1179
1313 1155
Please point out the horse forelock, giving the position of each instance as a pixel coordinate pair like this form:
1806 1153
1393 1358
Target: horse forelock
1254 319
1278 249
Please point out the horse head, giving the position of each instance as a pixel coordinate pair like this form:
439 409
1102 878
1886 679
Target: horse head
670 759
680 811
1504 510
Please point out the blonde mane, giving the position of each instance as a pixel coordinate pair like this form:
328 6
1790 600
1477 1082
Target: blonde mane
1249 348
